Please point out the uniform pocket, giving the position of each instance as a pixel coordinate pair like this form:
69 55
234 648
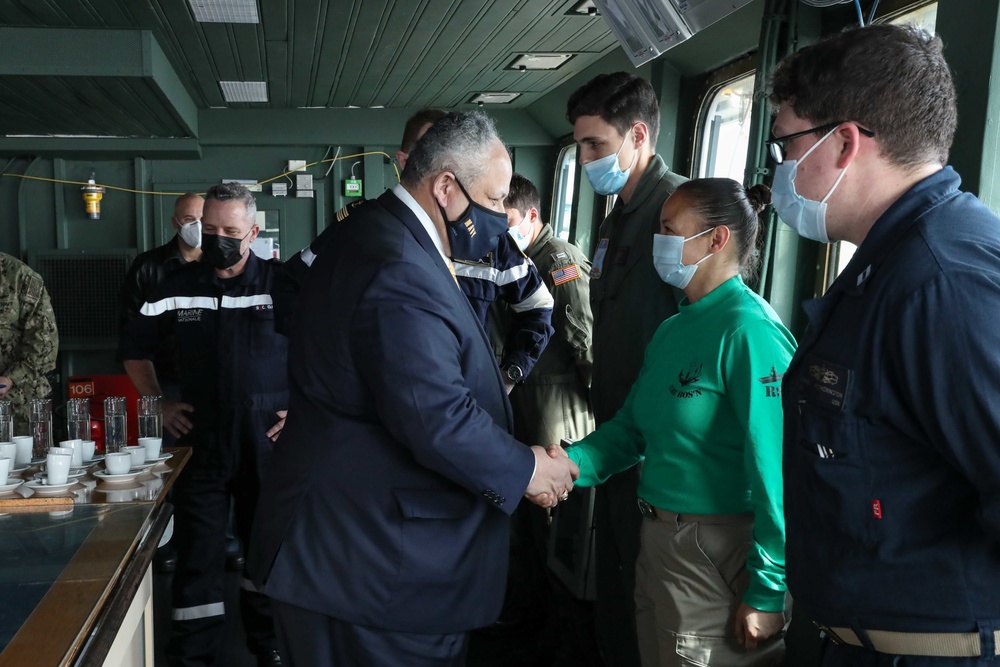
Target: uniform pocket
833 450
265 342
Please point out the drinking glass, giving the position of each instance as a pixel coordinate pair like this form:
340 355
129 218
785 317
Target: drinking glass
40 424
78 419
115 435
150 417
6 422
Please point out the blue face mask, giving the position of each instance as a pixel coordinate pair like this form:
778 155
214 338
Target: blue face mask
520 239
805 216
476 232
667 253
604 174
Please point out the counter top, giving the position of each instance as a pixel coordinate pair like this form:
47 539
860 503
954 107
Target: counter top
62 567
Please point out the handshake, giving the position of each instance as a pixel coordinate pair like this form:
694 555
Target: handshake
553 478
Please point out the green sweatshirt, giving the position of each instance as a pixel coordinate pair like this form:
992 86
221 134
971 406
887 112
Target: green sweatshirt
705 415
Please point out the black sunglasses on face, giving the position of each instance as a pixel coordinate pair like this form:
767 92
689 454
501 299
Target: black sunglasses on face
776 146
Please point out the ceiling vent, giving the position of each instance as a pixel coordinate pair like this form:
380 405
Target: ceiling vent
539 61
225 11
244 91
493 98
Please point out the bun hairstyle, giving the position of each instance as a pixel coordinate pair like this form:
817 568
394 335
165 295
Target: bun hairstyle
723 201
758 196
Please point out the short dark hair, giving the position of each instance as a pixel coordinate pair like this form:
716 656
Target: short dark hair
522 195
416 122
620 99
892 80
723 201
234 192
460 142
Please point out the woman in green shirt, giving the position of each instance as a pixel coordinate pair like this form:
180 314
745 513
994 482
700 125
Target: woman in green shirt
705 417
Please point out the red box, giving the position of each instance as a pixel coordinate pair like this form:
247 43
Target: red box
99 387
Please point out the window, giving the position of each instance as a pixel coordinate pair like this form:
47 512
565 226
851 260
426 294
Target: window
923 17
726 131
562 204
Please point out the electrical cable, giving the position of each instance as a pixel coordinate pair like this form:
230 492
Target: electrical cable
178 194
861 16
335 156
871 14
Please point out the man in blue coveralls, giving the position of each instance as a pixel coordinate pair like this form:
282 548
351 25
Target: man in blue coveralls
234 390
892 402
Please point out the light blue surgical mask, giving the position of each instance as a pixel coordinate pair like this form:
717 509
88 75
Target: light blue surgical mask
520 239
604 174
805 216
668 251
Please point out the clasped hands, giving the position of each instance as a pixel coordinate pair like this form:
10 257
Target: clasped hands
553 478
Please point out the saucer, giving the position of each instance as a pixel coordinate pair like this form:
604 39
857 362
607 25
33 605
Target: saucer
15 471
159 459
10 488
74 473
145 466
48 489
97 459
124 477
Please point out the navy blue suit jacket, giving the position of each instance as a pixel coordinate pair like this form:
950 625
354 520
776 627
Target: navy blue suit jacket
388 500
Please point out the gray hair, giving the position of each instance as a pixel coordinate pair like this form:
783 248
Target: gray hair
460 142
234 192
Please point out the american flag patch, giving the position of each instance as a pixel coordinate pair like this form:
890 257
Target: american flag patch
565 274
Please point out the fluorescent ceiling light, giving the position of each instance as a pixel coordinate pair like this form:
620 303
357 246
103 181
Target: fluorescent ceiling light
537 61
494 98
244 91
225 11
584 8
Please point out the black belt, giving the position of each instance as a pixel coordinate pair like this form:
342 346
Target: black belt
650 513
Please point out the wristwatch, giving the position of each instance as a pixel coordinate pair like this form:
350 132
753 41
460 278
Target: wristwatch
513 373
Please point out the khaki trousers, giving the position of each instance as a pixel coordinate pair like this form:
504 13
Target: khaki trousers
690 578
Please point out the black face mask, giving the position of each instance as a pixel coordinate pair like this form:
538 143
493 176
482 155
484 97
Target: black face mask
221 252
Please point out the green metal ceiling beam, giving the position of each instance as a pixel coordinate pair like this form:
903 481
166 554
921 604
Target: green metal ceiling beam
322 127
100 147
80 53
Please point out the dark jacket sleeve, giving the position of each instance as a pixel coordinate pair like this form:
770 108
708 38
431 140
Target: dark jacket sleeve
531 306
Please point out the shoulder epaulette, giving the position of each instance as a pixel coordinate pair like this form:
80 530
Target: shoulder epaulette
346 211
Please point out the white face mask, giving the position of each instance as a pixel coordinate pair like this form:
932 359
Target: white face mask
520 239
191 233
668 252
805 216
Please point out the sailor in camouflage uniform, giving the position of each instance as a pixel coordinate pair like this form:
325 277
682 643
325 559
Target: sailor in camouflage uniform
28 338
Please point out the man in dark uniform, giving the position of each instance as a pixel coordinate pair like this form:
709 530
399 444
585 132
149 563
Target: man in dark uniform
386 538
550 404
892 401
234 391
150 268
616 119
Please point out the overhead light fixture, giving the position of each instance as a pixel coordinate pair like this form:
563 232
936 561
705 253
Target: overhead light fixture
244 91
584 8
493 98
225 11
540 61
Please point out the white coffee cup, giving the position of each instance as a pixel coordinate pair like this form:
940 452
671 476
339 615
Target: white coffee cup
89 447
152 446
118 463
138 454
24 444
57 466
5 462
9 450
76 445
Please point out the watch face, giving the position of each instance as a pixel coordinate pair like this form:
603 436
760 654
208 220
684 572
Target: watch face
514 373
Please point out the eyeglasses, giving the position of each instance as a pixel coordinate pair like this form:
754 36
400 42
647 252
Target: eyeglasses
776 146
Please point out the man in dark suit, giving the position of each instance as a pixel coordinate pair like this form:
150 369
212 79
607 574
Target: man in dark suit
382 531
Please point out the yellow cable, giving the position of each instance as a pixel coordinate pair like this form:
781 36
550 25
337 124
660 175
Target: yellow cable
178 194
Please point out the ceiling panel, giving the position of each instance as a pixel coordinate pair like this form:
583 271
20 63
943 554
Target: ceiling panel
394 53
